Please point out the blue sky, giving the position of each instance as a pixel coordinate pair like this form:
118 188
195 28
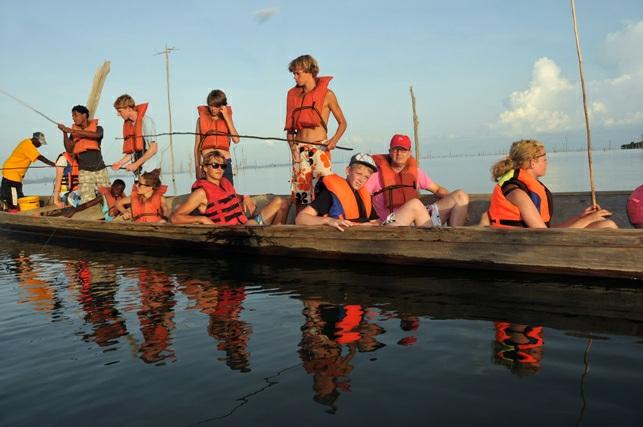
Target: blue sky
484 72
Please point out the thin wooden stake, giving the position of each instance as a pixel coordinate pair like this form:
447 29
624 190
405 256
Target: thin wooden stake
166 52
582 82
416 123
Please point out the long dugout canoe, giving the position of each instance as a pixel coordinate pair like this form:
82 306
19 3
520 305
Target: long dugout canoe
601 253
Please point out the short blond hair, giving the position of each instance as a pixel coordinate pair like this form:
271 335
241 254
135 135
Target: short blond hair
216 154
520 154
307 63
124 101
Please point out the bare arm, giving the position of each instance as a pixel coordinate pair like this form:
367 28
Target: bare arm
182 214
225 112
336 110
46 160
438 190
308 216
57 185
123 161
589 216
528 211
151 151
120 206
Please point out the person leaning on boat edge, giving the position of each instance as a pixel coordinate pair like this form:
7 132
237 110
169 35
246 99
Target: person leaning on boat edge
400 178
147 202
16 166
519 199
214 201
308 108
139 144
83 139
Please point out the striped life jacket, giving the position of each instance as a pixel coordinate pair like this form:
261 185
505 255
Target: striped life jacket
224 205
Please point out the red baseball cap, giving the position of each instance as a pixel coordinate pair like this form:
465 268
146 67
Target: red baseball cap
402 141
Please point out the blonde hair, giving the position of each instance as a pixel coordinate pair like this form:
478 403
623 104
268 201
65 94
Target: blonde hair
307 63
520 154
124 101
213 155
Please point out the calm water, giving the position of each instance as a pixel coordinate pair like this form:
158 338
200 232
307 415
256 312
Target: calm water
90 336
613 170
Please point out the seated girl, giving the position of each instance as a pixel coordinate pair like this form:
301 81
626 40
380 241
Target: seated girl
520 200
146 203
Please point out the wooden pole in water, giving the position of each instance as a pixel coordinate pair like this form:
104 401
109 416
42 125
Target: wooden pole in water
582 82
416 123
166 52
97 88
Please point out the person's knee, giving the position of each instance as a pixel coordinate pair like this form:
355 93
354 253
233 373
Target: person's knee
460 197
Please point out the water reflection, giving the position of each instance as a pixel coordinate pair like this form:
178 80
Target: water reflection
223 304
519 347
337 329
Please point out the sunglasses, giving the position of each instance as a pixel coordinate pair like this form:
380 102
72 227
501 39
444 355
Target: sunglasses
141 184
221 166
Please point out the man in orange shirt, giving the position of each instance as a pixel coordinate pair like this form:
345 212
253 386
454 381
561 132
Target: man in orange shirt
15 168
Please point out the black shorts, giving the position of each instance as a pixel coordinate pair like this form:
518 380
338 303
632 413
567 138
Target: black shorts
6 193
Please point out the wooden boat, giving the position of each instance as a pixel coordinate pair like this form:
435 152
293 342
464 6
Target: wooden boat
602 253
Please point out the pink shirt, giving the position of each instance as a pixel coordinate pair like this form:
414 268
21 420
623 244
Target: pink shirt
373 185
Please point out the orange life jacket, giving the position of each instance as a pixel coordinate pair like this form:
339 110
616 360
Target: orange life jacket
345 195
133 141
218 131
345 332
398 188
224 206
70 173
504 214
149 210
85 144
304 110
515 351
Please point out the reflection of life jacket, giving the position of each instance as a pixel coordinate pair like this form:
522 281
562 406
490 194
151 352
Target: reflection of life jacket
109 199
344 202
85 144
398 188
133 141
518 352
147 210
345 329
219 138
224 206
503 213
69 181
229 302
304 110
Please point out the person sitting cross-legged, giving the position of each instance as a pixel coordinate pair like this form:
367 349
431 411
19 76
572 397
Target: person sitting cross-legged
217 202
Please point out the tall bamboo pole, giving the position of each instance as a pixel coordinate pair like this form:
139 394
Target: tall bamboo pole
166 52
416 123
582 82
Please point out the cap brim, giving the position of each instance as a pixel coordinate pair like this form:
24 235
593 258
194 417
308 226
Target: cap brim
372 167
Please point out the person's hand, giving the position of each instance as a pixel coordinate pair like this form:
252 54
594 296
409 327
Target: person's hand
590 209
330 144
249 205
64 128
205 220
127 215
131 167
116 166
225 112
339 223
598 215
294 148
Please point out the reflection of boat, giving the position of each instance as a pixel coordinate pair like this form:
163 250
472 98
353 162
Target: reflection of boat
611 253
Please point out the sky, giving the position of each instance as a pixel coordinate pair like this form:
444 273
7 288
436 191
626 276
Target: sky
484 73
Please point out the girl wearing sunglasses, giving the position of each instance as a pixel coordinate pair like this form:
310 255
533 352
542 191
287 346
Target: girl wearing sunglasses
147 203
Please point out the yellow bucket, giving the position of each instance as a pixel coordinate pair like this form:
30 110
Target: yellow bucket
28 203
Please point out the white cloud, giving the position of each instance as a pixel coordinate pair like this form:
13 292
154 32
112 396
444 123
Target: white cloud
263 15
553 104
